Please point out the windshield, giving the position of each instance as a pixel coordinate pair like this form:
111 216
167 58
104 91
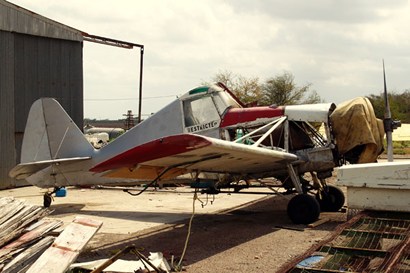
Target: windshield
204 108
200 111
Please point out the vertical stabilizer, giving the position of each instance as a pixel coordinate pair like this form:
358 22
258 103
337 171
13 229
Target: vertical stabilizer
51 134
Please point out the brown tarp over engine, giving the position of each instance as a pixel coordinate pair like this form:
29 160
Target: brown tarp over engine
358 133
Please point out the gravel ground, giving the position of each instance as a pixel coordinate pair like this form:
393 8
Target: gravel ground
257 237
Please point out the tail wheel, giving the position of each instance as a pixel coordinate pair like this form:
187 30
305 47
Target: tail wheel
331 198
303 209
47 198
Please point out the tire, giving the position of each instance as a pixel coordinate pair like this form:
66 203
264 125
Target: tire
303 209
331 198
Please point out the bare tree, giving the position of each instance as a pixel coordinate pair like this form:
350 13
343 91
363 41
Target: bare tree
280 90
312 98
248 90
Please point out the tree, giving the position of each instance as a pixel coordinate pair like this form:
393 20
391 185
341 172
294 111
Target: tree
248 90
312 98
282 90
399 105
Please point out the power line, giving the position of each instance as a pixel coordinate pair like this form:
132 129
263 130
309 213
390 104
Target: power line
120 99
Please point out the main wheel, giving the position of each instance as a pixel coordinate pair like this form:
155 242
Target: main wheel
303 209
331 198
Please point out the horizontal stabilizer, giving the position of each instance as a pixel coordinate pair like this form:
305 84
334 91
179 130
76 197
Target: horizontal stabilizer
24 170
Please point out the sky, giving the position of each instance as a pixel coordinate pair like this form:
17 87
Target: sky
336 46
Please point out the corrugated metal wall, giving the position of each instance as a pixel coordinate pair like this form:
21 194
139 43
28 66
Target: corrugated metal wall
47 68
39 57
36 67
7 140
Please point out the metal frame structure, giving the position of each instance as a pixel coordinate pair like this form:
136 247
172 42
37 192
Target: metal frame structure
127 45
369 242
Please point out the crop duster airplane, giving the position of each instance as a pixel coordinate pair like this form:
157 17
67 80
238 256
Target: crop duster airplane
209 134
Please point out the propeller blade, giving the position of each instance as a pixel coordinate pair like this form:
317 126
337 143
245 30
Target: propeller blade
387 120
387 112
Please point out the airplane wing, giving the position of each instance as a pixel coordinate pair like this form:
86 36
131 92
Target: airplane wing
186 152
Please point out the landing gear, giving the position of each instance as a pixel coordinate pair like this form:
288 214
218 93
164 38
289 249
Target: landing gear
330 198
303 209
48 197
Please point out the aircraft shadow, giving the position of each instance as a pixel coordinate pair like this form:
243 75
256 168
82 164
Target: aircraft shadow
67 208
140 216
210 234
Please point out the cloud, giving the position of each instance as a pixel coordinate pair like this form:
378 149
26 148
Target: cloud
346 12
335 45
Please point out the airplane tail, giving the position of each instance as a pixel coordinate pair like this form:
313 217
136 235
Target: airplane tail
50 137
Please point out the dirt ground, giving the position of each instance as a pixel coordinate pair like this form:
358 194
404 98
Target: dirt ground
257 237
237 233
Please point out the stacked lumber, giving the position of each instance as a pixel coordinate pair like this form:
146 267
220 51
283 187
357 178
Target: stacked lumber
66 248
24 234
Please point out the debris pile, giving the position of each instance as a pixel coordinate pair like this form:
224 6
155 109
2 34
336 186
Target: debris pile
28 241
154 263
369 242
24 234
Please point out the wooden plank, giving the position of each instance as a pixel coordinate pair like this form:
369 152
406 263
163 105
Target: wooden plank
318 222
16 225
16 239
40 228
66 248
8 208
27 257
15 215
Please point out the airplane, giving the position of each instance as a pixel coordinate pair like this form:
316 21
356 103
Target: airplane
209 135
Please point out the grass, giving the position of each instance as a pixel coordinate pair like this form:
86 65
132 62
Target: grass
399 147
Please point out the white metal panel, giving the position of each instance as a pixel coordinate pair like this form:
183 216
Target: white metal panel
394 175
377 186
310 112
378 199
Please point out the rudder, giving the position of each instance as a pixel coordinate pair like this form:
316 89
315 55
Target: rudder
51 134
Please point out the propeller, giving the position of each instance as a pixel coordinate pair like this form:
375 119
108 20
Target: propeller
388 122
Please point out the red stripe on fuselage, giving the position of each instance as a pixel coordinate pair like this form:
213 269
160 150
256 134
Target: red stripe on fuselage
163 147
241 115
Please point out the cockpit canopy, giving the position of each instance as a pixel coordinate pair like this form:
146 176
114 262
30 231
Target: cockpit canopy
205 106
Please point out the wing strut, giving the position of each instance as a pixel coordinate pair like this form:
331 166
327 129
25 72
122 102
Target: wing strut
295 179
168 169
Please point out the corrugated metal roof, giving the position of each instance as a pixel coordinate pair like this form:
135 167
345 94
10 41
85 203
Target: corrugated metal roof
17 19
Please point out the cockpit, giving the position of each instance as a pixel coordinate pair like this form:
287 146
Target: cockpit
203 108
